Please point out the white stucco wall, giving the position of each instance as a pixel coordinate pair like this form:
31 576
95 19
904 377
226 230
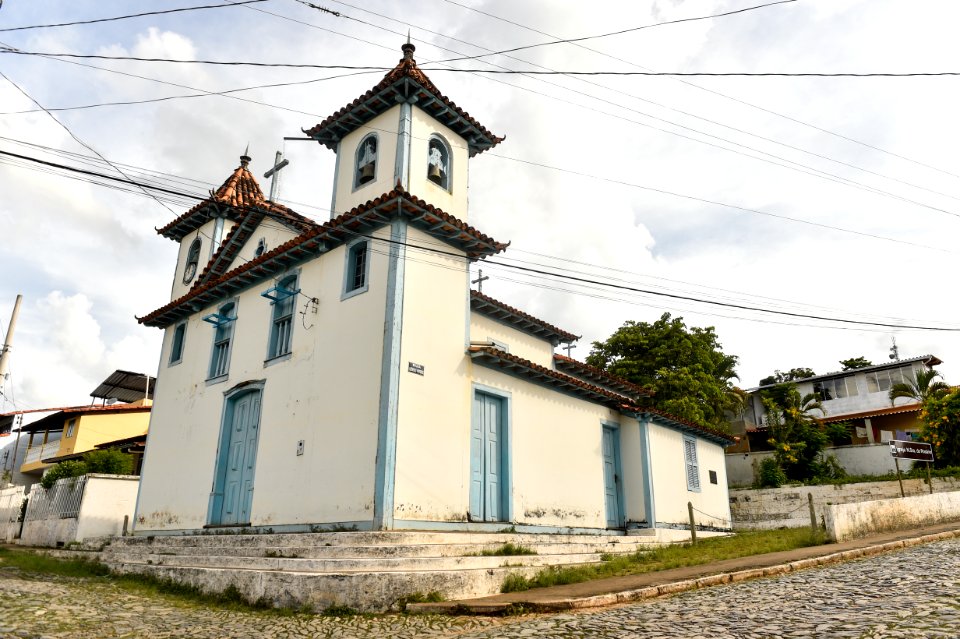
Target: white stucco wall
670 480
536 349
385 126
107 499
205 235
326 394
273 234
434 412
556 458
849 521
453 201
865 459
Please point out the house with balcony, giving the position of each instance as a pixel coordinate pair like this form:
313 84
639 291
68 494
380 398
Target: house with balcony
68 432
859 397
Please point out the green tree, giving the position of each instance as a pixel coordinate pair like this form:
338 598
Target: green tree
62 470
855 362
796 435
940 426
921 388
686 368
792 375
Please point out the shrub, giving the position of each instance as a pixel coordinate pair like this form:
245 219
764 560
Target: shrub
69 468
108 461
770 475
828 469
940 417
838 433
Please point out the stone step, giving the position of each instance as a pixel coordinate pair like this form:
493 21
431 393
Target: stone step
360 552
347 565
366 592
369 538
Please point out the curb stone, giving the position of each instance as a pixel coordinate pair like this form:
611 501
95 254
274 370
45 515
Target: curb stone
648 592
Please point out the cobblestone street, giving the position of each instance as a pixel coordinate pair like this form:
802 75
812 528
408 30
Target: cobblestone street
910 593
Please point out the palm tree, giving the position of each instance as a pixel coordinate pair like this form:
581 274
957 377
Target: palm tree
921 388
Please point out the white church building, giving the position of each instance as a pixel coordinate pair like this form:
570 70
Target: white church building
344 375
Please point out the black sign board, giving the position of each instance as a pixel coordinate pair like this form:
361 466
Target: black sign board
417 369
920 451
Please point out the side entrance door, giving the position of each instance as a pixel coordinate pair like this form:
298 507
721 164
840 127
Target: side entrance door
237 461
612 477
487 468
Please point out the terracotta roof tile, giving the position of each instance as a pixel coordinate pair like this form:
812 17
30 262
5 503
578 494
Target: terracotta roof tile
320 238
579 369
486 305
395 85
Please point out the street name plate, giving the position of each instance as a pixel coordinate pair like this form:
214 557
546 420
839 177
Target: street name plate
921 451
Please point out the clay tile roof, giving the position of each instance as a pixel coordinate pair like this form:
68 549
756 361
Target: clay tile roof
486 305
238 191
321 238
687 425
520 367
404 83
600 376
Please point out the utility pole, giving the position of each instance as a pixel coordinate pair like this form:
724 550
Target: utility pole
274 175
8 341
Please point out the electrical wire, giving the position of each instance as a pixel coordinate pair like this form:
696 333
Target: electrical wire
126 17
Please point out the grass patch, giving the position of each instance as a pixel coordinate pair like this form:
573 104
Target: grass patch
705 551
229 599
506 550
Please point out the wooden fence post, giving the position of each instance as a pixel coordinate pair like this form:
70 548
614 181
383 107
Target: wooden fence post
693 523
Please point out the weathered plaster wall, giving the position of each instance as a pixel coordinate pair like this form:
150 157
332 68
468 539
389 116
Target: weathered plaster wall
787 506
849 521
326 394
670 480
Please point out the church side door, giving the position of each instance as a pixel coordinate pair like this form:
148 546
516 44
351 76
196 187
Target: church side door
237 461
611 477
487 459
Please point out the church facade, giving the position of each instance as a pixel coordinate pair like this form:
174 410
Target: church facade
344 375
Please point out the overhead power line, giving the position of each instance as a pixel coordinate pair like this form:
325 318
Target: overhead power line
348 67
132 15
622 31
543 271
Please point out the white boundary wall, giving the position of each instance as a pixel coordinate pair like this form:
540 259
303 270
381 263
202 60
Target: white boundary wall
849 521
105 501
866 459
10 500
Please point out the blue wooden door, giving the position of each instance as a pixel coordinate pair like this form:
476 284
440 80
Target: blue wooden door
611 477
487 484
241 460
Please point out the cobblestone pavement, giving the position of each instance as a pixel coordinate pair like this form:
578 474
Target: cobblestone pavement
913 593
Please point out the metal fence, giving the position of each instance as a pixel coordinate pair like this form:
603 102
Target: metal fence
60 501
10 503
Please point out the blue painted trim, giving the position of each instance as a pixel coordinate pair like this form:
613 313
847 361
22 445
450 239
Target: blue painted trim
390 381
646 460
500 527
506 489
696 464
215 501
328 527
401 172
618 468
348 269
336 182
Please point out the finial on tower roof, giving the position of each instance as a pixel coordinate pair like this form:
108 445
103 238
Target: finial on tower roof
408 48
245 158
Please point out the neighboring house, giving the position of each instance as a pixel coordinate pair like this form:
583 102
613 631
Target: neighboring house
860 397
343 374
68 432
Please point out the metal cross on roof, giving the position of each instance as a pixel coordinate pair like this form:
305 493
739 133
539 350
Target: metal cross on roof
569 347
480 280
274 174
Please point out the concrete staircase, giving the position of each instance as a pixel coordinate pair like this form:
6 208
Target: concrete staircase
368 571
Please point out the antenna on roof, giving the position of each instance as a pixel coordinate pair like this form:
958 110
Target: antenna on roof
894 351
245 158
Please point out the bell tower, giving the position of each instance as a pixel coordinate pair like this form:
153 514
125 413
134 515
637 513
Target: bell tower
403 133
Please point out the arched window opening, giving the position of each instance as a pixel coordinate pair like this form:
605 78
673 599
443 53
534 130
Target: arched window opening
438 163
193 259
366 164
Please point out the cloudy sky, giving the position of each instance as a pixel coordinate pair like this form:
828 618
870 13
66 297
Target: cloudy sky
836 197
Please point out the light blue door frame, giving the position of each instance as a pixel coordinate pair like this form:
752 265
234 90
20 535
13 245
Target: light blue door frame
236 460
488 468
612 477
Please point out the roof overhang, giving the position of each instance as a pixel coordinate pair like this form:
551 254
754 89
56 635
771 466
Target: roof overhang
599 377
676 423
497 310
